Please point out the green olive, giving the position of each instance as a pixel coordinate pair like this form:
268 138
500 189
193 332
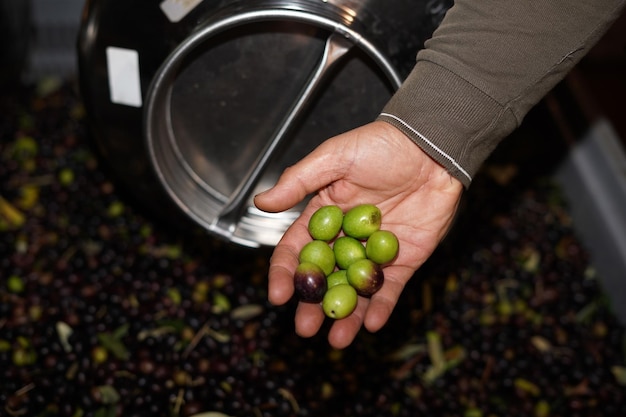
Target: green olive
382 246
361 221
325 223
319 253
339 301
337 277
347 250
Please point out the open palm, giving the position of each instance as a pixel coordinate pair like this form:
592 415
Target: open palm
374 164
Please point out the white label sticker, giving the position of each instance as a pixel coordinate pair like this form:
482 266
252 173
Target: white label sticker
175 10
124 80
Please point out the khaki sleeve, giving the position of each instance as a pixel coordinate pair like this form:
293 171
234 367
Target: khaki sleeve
485 67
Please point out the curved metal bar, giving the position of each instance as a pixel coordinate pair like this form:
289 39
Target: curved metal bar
336 47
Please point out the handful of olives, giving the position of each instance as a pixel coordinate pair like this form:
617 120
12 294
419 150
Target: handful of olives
335 270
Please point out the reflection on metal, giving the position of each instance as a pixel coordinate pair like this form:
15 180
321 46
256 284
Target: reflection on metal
225 222
193 172
235 91
593 178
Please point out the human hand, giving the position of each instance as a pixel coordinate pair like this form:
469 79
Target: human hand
373 164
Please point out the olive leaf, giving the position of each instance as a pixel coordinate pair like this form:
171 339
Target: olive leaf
163 327
620 374
108 394
246 312
105 412
221 303
10 215
113 343
407 351
64 331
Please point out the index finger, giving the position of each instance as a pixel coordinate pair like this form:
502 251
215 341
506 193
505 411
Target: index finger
284 261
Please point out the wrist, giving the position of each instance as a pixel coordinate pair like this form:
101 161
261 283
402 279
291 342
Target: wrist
428 166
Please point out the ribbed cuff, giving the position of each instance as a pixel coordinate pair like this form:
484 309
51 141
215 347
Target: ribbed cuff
454 122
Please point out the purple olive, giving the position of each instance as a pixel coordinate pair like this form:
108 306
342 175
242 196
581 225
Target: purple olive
310 283
366 277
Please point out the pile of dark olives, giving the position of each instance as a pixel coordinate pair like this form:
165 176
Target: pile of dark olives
345 259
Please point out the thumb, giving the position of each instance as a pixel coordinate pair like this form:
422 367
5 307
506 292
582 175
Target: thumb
315 171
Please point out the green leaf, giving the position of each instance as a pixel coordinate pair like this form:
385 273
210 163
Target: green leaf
454 357
105 412
64 331
472 412
437 357
176 324
407 351
164 327
246 312
121 331
113 343
620 374
542 409
108 394
435 350
12 217
527 386
24 147
221 303
156 332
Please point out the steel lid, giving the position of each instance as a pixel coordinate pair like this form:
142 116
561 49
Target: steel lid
247 95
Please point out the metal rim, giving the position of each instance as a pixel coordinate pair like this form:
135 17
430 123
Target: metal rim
169 163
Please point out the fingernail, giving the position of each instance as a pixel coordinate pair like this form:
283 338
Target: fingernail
261 193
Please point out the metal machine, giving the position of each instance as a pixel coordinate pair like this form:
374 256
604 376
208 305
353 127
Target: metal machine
200 105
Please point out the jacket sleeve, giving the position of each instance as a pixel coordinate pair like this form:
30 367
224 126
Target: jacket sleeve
485 67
